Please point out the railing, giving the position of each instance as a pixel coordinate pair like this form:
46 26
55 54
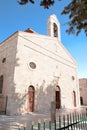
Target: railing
72 121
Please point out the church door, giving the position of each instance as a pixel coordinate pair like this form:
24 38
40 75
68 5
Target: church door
31 94
57 93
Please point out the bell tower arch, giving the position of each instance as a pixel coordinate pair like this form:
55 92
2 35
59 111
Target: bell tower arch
53 26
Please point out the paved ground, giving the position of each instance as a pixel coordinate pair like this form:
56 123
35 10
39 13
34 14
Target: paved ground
13 121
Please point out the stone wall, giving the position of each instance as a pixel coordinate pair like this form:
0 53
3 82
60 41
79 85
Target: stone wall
54 66
3 104
83 90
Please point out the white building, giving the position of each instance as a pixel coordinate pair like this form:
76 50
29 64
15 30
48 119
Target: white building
36 70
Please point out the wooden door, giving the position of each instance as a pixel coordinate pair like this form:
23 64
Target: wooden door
57 97
31 99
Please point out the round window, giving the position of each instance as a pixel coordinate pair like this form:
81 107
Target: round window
32 65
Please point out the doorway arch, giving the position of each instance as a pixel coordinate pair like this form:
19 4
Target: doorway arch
57 94
31 96
74 98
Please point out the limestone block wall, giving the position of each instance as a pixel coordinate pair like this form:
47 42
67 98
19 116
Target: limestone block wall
3 103
69 85
83 90
8 51
51 70
54 66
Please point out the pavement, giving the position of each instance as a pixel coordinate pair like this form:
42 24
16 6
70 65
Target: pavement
17 122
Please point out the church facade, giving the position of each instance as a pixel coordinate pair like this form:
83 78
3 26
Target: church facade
36 70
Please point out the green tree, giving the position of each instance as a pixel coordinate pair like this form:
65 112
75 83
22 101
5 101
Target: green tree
76 9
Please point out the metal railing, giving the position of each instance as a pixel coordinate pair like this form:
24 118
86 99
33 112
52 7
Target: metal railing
71 121
74 121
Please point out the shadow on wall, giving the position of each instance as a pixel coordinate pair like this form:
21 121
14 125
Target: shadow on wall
15 101
45 94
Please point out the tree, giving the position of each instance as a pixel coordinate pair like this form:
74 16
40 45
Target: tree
45 3
76 9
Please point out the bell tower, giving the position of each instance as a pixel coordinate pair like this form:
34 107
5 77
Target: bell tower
53 26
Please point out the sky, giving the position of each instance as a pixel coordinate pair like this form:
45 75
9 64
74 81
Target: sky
14 17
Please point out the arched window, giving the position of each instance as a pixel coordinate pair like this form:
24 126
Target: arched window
1 83
74 98
55 30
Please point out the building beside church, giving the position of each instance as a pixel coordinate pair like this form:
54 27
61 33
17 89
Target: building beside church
83 91
36 70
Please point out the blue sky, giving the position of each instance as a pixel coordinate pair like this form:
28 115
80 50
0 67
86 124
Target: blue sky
14 17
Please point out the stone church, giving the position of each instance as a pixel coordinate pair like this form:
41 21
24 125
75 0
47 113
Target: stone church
36 70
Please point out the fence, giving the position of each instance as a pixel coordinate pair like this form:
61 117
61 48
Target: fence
74 121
